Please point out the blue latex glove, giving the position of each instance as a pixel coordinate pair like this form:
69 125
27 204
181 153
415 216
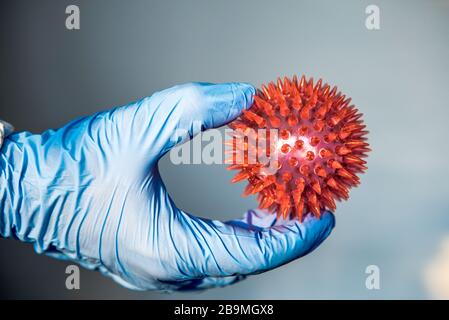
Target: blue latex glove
91 192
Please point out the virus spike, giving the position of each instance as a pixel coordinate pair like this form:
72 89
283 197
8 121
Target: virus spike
287 83
300 184
266 106
332 183
242 175
361 150
257 187
346 174
292 120
358 166
318 125
286 177
275 121
333 92
296 194
312 202
299 210
284 207
254 117
343 134
316 186
314 141
334 120
334 164
304 170
293 161
319 171
284 134
265 92
272 89
345 107
325 153
339 99
299 144
266 202
330 137
305 113
303 130
355 116
316 155
355 144
295 80
302 83
359 134
309 87
352 126
310 155
342 150
284 110
318 85
236 167
286 148
238 125
325 92
280 84
296 99
326 195
248 189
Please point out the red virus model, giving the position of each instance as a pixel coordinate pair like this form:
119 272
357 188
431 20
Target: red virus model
318 147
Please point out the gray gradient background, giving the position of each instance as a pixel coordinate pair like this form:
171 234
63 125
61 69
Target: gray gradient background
398 76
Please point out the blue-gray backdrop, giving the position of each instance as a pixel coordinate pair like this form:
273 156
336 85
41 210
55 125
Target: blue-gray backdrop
397 76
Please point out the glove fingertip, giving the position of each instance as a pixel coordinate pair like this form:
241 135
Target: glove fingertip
243 95
318 229
326 220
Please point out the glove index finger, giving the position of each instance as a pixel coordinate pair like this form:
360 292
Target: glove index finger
203 106
175 115
219 104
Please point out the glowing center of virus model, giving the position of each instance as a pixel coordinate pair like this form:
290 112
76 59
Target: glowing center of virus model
313 156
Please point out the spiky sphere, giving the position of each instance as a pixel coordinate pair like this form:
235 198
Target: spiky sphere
319 147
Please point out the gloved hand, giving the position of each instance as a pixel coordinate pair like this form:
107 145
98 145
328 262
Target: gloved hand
91 192
5 130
